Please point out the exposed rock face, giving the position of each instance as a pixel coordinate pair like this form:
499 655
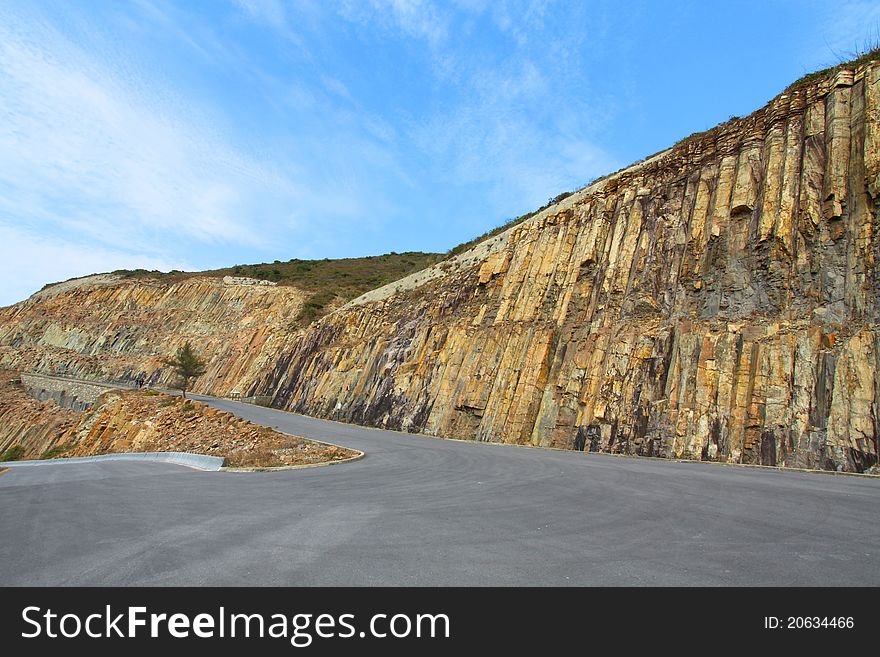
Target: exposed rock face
717 301
146 421
107 327
36 426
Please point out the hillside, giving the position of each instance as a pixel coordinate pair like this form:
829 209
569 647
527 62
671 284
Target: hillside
108 327
716 301
144 421
114 326
326 282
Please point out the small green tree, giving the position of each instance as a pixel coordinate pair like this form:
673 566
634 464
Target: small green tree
187 365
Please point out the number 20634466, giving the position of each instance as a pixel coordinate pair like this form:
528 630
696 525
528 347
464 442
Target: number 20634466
808 622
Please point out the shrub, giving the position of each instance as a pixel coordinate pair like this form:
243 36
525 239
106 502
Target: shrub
51 453
14 453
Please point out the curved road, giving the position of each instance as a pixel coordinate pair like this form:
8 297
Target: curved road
423 511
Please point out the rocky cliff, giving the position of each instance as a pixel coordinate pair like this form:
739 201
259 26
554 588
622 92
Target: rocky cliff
112 328
716 301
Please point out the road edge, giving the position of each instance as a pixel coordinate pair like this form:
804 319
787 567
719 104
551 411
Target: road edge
202 462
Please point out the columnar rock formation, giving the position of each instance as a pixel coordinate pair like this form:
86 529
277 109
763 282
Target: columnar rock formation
718 301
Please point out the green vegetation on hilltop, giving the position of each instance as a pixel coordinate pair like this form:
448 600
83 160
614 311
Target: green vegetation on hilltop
464 246
870 52
340 280
343 279
324 280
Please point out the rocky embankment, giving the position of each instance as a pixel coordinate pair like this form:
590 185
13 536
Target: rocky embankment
144 421
29 428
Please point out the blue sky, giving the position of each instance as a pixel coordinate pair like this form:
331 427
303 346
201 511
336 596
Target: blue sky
193 135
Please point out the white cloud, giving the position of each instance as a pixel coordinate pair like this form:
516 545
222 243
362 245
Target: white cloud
521 166
94 150
520 128
270 12
510 116
274 15
415 18
29 261
100 147
845 28
521 20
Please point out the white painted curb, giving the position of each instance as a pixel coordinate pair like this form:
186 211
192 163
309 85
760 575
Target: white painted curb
197 461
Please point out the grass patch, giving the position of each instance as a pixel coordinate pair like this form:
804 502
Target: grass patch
464 246
169 400
14 453
54 452
315 306
870 52
264 457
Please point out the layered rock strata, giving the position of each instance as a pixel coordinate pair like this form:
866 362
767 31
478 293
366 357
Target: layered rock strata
75 395
28 425
111 328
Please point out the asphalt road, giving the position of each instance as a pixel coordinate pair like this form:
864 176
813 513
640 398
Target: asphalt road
423 511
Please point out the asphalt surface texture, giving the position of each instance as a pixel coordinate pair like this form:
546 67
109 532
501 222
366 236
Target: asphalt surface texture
424 511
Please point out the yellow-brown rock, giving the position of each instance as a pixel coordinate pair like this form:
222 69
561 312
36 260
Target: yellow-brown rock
718 301
145 421
112 328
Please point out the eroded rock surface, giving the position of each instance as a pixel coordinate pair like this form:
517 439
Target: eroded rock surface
111 328
717 301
